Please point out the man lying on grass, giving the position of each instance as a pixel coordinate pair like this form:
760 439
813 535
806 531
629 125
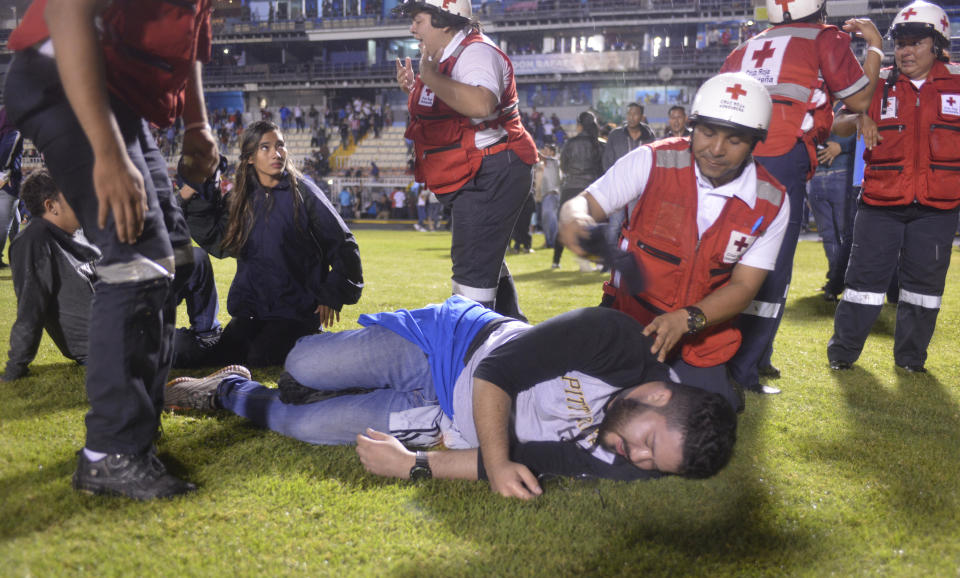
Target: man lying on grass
574 395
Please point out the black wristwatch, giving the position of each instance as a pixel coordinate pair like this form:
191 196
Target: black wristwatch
421 469
696 320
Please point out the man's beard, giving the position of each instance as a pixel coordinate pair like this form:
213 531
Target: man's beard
619 413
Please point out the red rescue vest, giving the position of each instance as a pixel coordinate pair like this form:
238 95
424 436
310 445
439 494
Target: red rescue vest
446 152
149 49
918 159
783 58
681 269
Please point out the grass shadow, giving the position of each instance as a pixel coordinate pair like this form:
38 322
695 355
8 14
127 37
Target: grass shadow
811 307
49 387
911 469
37 499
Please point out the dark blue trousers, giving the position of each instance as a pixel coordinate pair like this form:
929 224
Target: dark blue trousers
759 323
131 328
914 240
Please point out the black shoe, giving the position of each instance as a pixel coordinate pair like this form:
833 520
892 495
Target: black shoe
769 371
913 368
762 389
141 477
837 365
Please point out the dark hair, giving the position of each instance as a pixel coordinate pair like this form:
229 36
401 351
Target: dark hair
438 18
677 107
589 124
709 427
240 204
636 105
705 420
36 189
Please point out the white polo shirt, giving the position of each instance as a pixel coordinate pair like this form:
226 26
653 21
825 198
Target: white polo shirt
626 180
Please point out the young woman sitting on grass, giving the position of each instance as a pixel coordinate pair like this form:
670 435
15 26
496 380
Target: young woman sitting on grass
297 262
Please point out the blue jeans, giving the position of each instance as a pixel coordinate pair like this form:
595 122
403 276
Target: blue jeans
828 198
394 372
200 293
9 219
549 209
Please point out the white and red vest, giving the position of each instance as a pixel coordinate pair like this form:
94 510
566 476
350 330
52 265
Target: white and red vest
149 46
443 139
918 159
785 60
680 268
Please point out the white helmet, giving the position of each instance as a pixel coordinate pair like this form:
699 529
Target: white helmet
734 100
780 11
461 8
922 19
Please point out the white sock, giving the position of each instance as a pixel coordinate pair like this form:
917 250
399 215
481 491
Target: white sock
93 456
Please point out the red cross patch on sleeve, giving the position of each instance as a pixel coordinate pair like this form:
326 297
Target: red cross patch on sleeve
737 246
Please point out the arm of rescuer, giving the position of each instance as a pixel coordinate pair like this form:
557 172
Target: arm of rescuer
200 153
846 124
866 29
117 182
470 101
583 211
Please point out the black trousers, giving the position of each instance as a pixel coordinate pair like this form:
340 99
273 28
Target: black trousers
132 323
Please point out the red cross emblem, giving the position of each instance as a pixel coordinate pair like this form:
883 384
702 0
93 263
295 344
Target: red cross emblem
736 91
447 3
951 101
908 13
764 53
944 23
741 244
784 4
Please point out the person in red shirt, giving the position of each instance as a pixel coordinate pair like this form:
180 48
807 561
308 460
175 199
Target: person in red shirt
911 192
87 77
803 63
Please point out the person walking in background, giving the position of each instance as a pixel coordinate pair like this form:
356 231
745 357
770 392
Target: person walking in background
550 190
677 123
624 139
11 159
471 148
829 195
581 163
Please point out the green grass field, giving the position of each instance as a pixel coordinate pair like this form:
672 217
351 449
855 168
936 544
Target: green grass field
856 473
